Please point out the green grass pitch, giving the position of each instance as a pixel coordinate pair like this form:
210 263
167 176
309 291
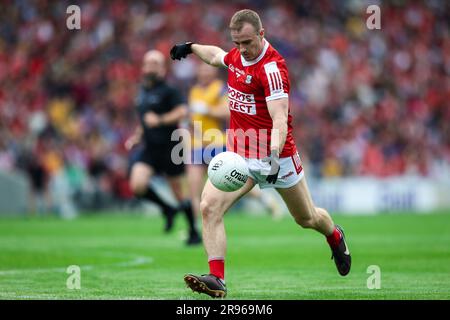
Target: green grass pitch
129 257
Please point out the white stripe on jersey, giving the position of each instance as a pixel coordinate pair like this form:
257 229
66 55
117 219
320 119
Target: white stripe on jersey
280 83
272 83
274 77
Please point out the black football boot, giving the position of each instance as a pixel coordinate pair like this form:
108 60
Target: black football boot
341 255
206 283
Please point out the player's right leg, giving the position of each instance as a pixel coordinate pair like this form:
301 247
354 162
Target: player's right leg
213 205
140 176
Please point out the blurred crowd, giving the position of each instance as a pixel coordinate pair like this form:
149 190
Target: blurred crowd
365 102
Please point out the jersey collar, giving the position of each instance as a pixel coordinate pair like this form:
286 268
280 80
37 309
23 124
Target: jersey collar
246 63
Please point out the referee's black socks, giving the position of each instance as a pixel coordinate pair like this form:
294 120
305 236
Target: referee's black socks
186 207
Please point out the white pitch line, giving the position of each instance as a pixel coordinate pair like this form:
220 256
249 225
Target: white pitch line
137 261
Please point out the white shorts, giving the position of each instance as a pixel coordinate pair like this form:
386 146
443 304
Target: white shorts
291 172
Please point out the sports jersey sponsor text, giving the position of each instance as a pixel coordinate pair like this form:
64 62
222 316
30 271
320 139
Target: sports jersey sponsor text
241 102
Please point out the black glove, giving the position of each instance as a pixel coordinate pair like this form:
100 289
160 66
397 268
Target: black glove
274 161
179 51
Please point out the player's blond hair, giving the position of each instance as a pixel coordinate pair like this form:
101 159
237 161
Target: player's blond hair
245 16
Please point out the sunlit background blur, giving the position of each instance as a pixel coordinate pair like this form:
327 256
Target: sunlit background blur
371 108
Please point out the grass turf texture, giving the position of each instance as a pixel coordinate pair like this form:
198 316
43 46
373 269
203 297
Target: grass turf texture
129 257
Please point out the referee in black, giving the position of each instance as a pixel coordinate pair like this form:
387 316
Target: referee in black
160 109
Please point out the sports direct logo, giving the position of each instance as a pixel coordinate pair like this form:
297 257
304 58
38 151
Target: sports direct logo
241 102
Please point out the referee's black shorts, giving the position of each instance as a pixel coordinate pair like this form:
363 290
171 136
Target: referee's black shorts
159 158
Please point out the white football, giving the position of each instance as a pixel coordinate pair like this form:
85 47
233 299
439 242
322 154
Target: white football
228 171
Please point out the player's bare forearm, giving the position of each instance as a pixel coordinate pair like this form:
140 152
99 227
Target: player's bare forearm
278 135
153 120
174 116
210 54
278 110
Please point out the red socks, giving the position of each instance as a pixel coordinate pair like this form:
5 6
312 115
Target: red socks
217 267
335 238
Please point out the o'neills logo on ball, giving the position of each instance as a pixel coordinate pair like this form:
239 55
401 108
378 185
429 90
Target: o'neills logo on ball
239 176
241 102
217 165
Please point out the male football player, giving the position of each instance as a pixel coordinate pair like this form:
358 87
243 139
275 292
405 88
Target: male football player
258 93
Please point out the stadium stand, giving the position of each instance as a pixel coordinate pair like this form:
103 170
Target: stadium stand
365 102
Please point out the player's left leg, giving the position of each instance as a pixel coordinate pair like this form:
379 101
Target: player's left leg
299 202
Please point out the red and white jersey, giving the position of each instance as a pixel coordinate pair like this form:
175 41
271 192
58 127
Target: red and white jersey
250 85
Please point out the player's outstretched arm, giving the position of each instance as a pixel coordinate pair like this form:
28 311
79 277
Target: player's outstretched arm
212 55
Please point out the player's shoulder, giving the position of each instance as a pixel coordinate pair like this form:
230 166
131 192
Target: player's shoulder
272 63
273 56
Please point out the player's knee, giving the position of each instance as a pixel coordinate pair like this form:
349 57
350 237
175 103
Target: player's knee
210 210
206 208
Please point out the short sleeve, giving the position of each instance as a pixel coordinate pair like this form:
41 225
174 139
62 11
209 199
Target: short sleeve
226 59
275 80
